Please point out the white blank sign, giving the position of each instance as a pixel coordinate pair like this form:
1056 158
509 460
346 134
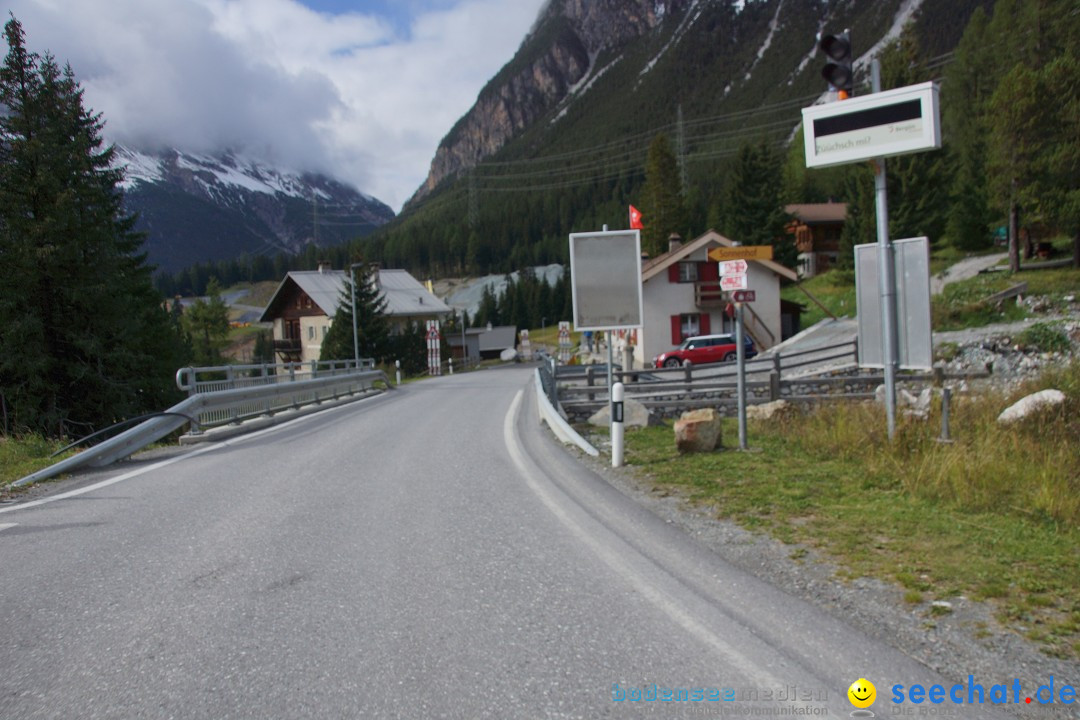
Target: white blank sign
605 277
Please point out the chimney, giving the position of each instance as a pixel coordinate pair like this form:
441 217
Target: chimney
674 242
324 267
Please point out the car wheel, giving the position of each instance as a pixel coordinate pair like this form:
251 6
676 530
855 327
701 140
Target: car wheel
671 362
730 357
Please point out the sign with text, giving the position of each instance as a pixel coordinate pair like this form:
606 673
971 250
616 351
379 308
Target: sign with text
605 280
744 296
741 252
894 122
734 267
733 282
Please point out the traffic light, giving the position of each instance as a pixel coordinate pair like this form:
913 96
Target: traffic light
839 70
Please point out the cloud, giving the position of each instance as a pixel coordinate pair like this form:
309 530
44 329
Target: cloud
351 94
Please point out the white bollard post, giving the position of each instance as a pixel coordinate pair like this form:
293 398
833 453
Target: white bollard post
397 365
617 393
451 361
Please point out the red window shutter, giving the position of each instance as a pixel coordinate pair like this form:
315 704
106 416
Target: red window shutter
708 271
673 273
676 330
703 323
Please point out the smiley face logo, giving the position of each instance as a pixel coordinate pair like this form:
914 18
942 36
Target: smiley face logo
862 693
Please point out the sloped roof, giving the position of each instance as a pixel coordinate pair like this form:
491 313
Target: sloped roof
404 294
499 337
812 213
660 263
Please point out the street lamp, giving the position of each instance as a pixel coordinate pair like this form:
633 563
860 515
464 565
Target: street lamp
355 335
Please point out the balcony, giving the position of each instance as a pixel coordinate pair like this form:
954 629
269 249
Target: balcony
287 345
709 295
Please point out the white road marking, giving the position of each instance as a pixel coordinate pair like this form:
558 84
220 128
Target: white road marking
5 526
164 463
612 558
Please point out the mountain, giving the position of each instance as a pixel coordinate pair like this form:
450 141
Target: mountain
198 208
557 139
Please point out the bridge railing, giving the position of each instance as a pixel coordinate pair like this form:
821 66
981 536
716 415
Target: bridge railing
219 407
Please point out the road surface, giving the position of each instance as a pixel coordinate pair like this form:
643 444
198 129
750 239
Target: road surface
429 553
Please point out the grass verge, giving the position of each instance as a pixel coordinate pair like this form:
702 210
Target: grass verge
993 516
25 454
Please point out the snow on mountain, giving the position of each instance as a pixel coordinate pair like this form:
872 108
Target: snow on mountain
201 208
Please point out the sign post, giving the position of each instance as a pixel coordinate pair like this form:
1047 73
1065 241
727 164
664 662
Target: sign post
896 122
733 277
434 359
564 342
605 282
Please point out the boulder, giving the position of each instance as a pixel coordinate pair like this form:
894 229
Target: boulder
634 415
1031 404
698 431
769 410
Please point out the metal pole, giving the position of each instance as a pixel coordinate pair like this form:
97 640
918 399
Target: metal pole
740 374
355 337
887 274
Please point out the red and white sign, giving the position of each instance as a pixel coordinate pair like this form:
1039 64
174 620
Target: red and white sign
733 282
744 296
734 267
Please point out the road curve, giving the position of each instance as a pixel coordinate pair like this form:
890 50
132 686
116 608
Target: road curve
430 553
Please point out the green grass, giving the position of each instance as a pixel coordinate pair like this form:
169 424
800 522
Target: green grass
22 455
962 303
994 515
834 289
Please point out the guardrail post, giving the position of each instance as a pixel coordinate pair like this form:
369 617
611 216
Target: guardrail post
292 372
688 370
776 365
617 425
774 386
590 380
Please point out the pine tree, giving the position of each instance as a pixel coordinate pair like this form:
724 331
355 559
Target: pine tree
87 340
661 203
372 327
207 326
753 208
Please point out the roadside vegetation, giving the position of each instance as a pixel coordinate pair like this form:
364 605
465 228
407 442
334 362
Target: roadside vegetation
962 303
994 515
24 454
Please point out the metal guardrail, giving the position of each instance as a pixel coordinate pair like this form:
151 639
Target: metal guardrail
218 407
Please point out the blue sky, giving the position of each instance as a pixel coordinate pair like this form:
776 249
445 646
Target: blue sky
363 90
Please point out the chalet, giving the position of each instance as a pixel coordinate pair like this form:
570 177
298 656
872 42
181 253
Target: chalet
817 228
682 297
303 307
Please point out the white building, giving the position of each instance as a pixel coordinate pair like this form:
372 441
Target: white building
682 298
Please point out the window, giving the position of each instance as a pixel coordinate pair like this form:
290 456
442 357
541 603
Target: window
690 325
311 332
324 331
688 272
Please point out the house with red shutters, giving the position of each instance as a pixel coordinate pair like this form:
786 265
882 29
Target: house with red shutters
682 298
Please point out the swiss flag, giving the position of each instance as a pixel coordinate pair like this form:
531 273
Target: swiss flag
635 219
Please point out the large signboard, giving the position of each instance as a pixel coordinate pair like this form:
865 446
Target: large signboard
911 260
605 277
894 122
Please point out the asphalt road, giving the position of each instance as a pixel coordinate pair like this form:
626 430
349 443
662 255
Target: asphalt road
429 553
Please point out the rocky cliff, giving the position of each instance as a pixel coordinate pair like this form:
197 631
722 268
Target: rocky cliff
558 54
